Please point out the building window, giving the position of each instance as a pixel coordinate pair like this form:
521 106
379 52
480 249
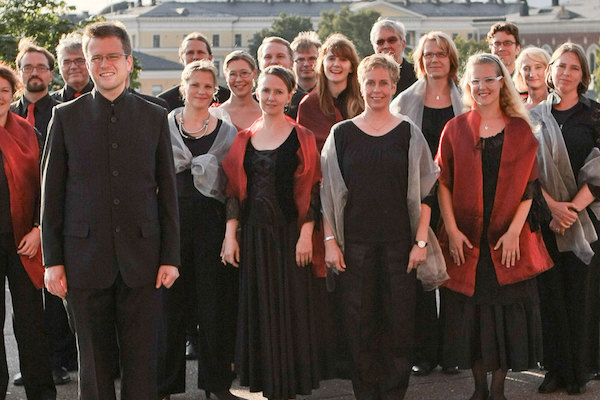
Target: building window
155 41
217 64
238 40
469 36
454 35
133 40
156 90
216 41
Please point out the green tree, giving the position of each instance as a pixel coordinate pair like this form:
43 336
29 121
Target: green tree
285 26
356 26
467 48
596 73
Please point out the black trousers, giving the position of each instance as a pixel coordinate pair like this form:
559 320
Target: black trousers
118 314
61 339
378 310
28 327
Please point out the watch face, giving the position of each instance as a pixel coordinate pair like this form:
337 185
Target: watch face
421 244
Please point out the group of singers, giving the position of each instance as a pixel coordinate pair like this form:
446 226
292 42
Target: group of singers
323 217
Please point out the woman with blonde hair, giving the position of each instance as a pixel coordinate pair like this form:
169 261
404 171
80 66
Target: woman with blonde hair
569 164
487 182
530 75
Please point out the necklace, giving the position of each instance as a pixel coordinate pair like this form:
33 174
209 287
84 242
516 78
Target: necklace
437 97
190 134
485 126
372 126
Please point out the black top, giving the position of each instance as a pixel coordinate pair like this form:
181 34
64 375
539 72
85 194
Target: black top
5 216
340 103
434 120
174 100
407 76
375 171
67 93
292 109
185 180
154 100
42 111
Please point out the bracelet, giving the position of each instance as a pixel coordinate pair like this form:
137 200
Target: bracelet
328 238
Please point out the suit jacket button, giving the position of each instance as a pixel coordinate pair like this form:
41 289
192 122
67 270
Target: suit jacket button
116 202
115 173
114 145
113 119
118 229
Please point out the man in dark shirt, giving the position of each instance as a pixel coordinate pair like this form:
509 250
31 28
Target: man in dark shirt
504 42
389 37
110 225
71 65
194 47
305 48
36 68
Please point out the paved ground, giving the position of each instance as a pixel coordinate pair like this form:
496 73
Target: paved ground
519 386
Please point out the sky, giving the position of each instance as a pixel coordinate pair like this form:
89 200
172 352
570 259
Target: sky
93 6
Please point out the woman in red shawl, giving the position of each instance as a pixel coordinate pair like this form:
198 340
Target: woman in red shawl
273 187
20 253
487 182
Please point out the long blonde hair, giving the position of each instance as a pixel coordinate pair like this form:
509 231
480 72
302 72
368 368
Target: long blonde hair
510 100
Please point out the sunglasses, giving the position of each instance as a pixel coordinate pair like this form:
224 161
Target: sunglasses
390 40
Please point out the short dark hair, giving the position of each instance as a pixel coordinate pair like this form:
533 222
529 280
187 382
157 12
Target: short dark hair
6 72
194 36
28 45
106 29
507 27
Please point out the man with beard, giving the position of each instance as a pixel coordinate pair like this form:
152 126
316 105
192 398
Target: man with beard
71 65
36 68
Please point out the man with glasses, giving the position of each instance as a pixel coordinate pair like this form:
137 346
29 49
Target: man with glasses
504 42
36 69
389 37
71 64
305 49
110 236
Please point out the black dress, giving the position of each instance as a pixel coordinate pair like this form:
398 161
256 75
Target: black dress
499 325
277 334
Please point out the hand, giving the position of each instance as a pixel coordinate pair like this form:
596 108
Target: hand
457 240
416 257
563 212
304 250
30 243
167 275
55 280
556 227
333 256
510 248
230 251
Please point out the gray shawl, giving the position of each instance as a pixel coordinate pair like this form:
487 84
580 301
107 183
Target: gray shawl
422 175
207 171
412 100
556 176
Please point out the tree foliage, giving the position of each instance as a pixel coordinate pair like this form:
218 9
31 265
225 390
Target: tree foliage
596 73
285 26
356 26
466 48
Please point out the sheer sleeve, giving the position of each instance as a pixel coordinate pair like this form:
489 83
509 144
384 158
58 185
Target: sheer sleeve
314 209
232 208
539 213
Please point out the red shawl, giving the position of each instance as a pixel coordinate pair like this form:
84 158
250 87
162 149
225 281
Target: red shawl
308 172
459 157
20 153
312 116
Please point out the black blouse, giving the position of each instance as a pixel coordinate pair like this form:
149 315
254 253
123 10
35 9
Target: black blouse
434 120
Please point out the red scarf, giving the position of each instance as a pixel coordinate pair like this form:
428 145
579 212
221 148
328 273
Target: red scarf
307 174
311 115
459 158
20 153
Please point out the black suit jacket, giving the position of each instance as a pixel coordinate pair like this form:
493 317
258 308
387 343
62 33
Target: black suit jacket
158 101
407 77
67 93
173 97
109 200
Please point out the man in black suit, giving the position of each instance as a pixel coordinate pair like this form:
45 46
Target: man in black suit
388 36
194 47
110 234
71 64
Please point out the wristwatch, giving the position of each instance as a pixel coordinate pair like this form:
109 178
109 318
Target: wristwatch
421 244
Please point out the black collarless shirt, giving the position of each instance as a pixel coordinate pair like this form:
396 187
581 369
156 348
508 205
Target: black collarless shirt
42 112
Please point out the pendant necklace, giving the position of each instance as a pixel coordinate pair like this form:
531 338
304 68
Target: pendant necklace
189 134
485 126
437 97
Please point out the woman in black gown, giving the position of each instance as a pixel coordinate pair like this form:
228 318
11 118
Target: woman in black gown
200 141
377 171
273 182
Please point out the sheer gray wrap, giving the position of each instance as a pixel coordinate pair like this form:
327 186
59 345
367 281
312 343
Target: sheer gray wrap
209 177
412 100
557 178
422 175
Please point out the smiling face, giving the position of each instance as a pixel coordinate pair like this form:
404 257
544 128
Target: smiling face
110 77
274 53
566 73
388 41
6 95
336 68
505 46
435 60
72 68
199 90
273 95
377 88
240 78
533 73
38 79
485 85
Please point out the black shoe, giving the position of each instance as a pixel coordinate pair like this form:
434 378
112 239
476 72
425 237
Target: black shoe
595 376
190 350
422 369
451 370
550 383
18 379
574 389
61 376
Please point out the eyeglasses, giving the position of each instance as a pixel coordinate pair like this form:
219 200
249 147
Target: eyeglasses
506 43
490 80
390 40
439 54
78 61
111 58
39 68
242 74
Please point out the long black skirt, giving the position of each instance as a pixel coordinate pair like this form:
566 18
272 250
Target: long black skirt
277 340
